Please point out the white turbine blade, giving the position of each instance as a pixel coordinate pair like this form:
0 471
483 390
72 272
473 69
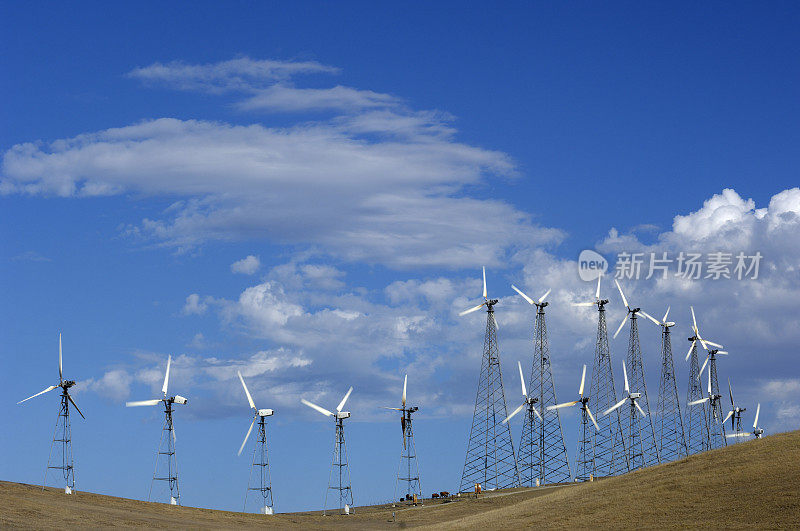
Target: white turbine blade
712 343
583 380
166 376
625 373
536 412
46 390
530 301
597 291
709 381
636 403
405 384
249 398
143 403
703 367
392 408
664 320
694 321
247 436
624 319
75 405
484 282
60 361
589 411
583 303
478 307
702 342
559 406
514 413
543 297
522 380
690 350
624 300
615 406
314 406
695 402
727 417
494 320
346 396
650 317
174 435
758 410
723 352
730 392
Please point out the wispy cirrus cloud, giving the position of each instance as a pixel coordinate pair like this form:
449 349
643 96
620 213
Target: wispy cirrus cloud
377 182
240 74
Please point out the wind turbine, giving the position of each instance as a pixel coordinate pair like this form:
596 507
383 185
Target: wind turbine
714 419
63 436
166 446
542 456
527 401
757 432
584 438
490 459
711 361
607 455
635 439
735 414
265 484
649 446
409 453
340 462
670 434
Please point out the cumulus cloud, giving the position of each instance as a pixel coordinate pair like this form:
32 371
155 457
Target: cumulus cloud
247 265
194 305
114 384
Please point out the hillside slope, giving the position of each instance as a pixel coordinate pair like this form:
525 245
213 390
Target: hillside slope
751 484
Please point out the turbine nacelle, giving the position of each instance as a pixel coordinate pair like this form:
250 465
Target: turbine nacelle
265 412
178 399
342 414
634 396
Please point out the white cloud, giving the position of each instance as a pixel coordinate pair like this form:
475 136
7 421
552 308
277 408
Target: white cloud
247 265
194 305
114 384
282 98
235 74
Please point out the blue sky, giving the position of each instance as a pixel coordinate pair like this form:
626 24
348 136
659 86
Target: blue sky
372 157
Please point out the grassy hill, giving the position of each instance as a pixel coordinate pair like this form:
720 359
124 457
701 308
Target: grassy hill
753 484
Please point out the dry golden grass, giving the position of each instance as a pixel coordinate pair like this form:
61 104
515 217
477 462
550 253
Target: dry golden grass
754 484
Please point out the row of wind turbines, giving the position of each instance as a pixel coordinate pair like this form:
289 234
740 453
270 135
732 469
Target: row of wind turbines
621 438
60 458
491 461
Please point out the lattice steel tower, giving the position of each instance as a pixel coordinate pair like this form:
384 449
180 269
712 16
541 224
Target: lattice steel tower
490 458
260 463
669 424
542 452
716 428
608 455
647 433
408 469
166 468
339 477
696 416
60 454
